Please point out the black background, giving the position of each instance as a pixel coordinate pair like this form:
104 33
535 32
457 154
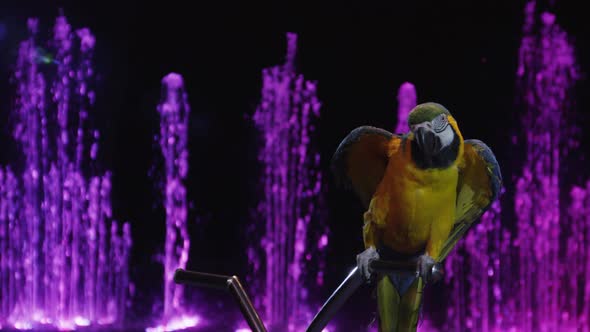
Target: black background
462 54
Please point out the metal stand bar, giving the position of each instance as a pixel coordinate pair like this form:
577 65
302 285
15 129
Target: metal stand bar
350 284
228 283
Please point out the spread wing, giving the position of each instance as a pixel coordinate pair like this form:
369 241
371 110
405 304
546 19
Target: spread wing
361 159
479 185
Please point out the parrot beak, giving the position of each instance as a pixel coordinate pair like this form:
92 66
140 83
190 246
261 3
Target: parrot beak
428 142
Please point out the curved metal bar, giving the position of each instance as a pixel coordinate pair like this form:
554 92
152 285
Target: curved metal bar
248 310
350 284
200 279
228 283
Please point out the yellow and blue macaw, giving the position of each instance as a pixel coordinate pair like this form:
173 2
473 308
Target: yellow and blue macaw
421 191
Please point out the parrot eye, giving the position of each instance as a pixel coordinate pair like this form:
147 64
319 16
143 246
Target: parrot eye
440 123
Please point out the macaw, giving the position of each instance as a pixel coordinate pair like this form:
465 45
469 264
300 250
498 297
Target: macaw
422 191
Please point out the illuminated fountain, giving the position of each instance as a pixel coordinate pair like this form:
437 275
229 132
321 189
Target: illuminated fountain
547 73
579 269
406 101
174 113
63 260
528 274
288 260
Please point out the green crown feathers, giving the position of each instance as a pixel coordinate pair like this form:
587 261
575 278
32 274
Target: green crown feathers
426 112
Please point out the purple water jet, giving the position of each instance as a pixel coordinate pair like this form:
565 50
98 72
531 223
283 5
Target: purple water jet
527 275
579 272
406 101
63 260
547 73
290 255
174 113
477 273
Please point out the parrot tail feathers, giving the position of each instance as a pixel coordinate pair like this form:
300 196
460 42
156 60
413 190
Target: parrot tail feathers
399 313
388 301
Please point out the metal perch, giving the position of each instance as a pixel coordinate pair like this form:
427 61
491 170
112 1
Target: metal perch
229 283
352 282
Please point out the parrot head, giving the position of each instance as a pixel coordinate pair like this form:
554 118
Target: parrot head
436 139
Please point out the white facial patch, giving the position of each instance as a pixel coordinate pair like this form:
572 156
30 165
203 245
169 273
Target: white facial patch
442 129
446 136
439 123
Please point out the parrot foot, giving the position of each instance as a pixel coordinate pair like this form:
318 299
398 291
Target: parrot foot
363 259
428 269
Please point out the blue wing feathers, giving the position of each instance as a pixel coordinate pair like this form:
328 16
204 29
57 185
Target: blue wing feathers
488 156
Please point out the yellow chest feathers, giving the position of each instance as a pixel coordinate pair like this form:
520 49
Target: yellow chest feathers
408 200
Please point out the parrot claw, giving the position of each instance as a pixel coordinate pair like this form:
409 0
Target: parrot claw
363 259
428 269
